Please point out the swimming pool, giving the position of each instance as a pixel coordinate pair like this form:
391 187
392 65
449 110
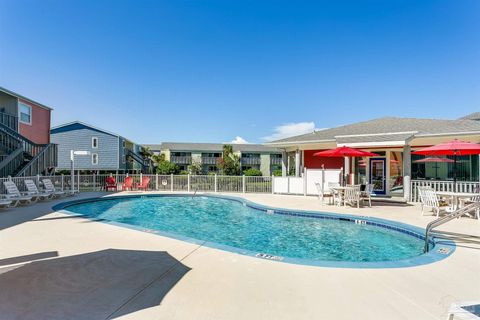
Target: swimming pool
315 238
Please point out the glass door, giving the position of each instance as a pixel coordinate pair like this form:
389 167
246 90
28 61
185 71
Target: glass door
378 175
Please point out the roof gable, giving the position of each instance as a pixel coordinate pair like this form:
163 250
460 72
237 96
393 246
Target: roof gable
77 125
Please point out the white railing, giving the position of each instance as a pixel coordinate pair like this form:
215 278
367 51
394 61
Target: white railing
462 186
187 183
306 184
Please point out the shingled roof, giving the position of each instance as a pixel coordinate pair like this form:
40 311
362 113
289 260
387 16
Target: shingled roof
211 147
471 116
386 129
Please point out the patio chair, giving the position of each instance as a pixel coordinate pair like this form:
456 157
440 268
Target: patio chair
110 184
33 190
429 199
49 187
336 195
323 193
367 194
352 195
127 184
144 184
13 194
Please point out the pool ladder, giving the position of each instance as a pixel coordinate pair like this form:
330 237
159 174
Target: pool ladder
442 220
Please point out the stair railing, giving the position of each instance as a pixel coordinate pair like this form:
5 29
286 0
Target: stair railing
46 158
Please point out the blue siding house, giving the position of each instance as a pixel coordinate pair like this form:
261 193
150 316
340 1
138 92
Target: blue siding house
108 151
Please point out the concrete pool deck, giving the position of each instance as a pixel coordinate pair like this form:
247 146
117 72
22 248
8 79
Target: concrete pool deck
55 266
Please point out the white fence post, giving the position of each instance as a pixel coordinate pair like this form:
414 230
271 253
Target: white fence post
171 182
141 177
215 180
38 181
273 184
62 182
244 187
94 182
305 182
156 181
188 182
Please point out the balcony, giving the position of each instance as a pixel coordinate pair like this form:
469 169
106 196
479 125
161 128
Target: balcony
275 161
251 161
210 160
181 159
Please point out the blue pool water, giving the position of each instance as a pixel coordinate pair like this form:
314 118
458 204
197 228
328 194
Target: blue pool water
231 223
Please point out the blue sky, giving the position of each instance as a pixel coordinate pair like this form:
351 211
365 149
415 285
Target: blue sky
209 71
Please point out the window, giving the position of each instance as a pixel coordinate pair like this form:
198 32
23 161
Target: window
94 142
25 113
94 158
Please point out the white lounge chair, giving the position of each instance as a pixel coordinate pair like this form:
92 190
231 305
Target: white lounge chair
429 199
367 194
49 187
4 203
33 190
352 195
13 194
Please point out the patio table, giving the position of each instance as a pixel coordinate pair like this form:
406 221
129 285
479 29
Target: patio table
341 191
456 196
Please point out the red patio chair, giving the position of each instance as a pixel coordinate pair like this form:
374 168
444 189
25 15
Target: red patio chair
127 184
110 184
144 184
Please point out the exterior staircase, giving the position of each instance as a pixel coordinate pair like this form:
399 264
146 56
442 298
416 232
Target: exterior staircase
20 156
147 164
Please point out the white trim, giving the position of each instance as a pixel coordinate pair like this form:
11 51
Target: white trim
376 134
20 104
374 144
93 156
93 145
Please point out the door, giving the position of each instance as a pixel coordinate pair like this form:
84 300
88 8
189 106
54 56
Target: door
378 175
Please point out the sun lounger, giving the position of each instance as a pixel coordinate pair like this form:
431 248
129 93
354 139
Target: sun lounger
49 187
13 194
33 190
7 203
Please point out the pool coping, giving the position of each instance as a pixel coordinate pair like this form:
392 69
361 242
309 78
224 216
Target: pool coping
441 249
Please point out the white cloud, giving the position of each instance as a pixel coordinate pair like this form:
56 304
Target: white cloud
238 140
290 130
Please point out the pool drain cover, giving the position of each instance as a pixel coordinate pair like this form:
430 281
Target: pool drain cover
268 256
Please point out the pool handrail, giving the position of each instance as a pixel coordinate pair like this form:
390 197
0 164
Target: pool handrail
442 220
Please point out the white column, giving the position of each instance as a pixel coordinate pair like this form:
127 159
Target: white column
297 163
407 172
284 163
347 169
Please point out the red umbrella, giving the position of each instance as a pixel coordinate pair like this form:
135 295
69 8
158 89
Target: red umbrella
344 152
341 152
453 148
434 159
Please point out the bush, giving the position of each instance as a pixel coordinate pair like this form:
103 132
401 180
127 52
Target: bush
253 173
277 173
166 167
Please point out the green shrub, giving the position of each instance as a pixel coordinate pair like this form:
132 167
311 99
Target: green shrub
277 173
253 173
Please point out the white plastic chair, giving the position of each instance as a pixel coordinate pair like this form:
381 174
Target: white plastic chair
13 194
49 187
33 190
323 193
429 199
352 195
367 194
